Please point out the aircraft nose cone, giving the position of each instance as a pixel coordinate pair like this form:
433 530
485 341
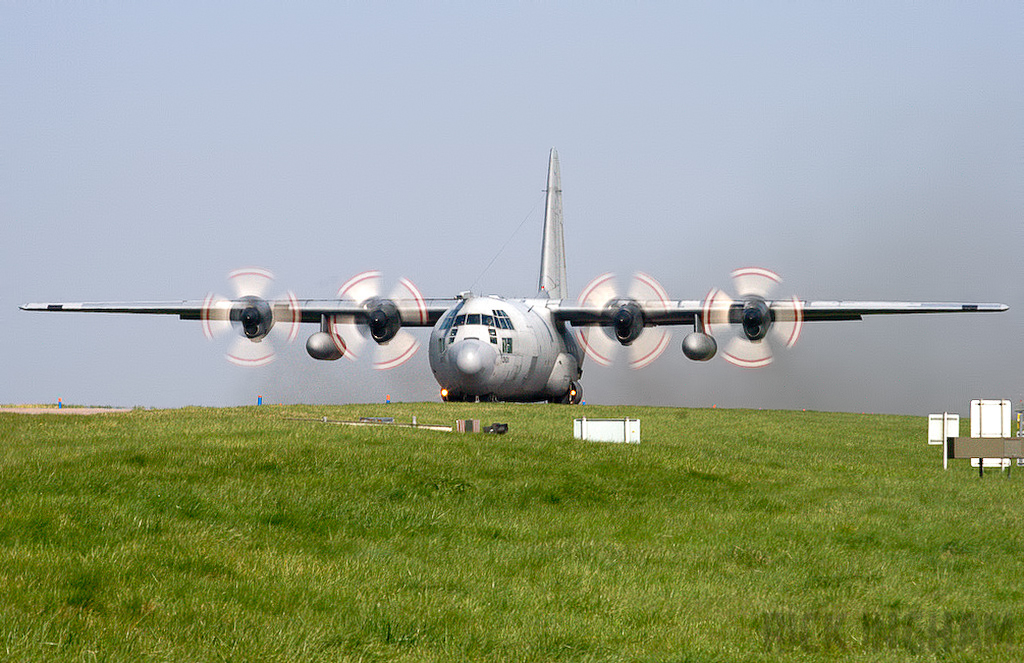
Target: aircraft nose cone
473 358
469 358
469 361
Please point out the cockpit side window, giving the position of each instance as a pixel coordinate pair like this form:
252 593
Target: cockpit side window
501 320
450 317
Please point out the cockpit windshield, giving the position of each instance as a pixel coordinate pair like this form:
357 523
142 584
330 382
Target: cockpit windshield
499 320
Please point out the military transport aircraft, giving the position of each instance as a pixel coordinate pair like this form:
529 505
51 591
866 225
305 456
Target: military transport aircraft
496 348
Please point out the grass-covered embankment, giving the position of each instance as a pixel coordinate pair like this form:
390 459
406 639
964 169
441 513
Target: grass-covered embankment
241 534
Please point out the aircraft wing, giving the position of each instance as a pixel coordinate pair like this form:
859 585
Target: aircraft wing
656 312
741 324
310 310
428 311
255 317
186 310
830 310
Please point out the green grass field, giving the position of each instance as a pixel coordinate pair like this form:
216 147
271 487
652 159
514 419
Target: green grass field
242 534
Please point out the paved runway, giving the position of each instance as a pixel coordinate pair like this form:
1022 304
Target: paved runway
65 410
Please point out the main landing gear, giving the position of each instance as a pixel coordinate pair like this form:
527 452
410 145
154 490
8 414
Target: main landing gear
572 397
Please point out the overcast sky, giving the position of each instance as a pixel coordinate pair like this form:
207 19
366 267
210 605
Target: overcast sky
861 150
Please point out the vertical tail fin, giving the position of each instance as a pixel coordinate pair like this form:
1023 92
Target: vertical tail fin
553 281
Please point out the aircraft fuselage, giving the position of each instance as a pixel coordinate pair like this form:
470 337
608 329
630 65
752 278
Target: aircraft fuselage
491 348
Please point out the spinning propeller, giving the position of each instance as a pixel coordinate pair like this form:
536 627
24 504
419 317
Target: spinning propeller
752 323
259 321
382 321
625 320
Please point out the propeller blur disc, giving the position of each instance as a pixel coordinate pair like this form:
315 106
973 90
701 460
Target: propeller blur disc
654 340
352 332
409 301
716 309
287 316
599 341
648 347
251 283
747 354
216 316
752 283
244 352
346 331
789 321
404 345
396 352
755 282
361 287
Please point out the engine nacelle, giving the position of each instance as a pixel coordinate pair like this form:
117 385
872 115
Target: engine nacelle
756 319
698 346
325 347
383 319
628 322
255 316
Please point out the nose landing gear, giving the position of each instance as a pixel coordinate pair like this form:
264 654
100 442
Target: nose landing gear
457 397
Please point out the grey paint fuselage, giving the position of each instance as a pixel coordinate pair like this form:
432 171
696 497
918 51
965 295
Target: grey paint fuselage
530 357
